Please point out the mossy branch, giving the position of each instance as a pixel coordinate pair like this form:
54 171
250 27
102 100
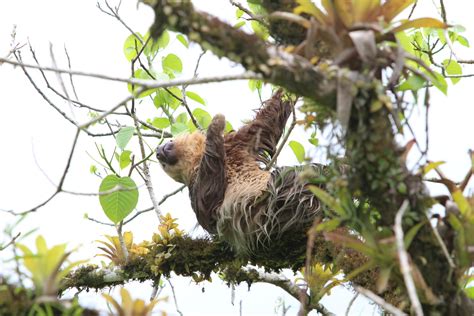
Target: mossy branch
293 72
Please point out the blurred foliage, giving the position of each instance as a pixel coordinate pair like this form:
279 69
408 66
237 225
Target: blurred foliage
131 307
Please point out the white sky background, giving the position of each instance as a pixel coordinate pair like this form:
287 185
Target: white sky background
95 43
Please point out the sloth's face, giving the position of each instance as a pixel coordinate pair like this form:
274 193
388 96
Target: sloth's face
181 157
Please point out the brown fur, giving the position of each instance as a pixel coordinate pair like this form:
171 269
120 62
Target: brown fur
230 193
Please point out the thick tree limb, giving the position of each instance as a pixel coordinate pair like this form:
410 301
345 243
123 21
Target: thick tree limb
276 66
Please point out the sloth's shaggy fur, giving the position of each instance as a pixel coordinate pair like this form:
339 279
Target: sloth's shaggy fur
230 193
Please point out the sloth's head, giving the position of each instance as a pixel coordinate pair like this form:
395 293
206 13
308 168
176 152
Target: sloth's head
181 156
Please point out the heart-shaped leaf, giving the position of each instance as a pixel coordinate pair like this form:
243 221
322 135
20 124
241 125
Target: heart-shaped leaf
121 197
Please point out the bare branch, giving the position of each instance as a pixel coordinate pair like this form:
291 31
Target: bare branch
148 84
405 267
379 301
11 242
70 76
115 13
351 303
61 181
174 298
249 13
442 245
284 283
60 79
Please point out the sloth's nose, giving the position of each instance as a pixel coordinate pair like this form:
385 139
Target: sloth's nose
166 153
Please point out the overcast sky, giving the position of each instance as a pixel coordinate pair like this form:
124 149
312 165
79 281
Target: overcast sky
34 137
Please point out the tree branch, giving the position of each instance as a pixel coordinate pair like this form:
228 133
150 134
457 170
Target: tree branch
403 258
379 301
276 66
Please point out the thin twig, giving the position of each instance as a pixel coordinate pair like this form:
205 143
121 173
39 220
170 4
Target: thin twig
174 297
115 14
351 303
379 301
68 164
249 13
11 242
61 81
405 267
412 10
61 181
442 245
284 283
70 76
148 84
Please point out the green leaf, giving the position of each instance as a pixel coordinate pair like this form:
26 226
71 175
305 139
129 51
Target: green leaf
255 85
229 128
239 13
410 235
117 205
439 82
172 64
413 83
256 7
131 46
124 135
313 141
178 128
470 292
329 225
164 98
259 29
124 159
161 122
164 39
154 46
452 67
406 42
196 97
462 203
431 166
238 25
93 169
298 150
327 199
182 118
142 74
182 39
462 40
202 117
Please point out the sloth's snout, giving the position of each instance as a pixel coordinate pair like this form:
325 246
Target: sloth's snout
166 153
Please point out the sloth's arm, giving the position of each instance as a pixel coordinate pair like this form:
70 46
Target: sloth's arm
210 184
263 133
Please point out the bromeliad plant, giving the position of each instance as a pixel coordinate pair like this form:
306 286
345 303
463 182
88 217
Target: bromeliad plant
132 307
119 256
339 23
47 266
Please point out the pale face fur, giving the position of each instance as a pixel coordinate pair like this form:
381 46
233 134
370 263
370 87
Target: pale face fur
189 149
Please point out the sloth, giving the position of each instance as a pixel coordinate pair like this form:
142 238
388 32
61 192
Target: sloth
231 193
